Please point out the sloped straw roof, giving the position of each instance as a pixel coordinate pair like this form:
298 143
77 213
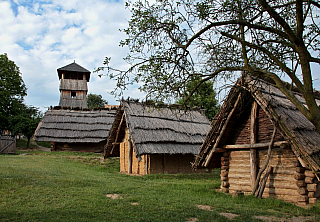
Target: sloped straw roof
292 124
160 130
75 126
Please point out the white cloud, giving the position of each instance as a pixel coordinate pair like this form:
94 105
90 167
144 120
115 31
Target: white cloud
43 36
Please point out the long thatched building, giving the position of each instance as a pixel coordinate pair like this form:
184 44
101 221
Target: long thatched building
258 131
156 139
76 130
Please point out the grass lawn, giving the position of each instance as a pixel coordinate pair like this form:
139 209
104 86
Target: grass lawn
68 186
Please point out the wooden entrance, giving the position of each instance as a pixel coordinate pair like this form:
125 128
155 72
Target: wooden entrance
7 144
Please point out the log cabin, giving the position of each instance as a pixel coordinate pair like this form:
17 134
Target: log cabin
161 139
265 146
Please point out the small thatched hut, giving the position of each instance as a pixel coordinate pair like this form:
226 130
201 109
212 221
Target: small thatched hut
256 118
156 140
76 130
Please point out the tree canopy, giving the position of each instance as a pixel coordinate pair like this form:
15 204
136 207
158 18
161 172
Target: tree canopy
25 122
203 97
95 101
172 40
12 90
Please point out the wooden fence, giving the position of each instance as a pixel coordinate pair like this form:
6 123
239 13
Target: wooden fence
7 144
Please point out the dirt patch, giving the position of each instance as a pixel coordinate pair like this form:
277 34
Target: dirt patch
114 196
194 219
293 219
204 207
230 216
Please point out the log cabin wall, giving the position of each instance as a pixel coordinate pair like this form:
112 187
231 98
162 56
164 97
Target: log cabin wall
153 163
288 181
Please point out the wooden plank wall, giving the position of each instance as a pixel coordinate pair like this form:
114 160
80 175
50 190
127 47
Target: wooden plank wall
8 144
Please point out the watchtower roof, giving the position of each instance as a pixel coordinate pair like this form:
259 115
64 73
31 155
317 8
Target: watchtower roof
74 68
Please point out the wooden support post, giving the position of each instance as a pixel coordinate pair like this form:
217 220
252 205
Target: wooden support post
253 139
206 164
255 188
129 156
118 131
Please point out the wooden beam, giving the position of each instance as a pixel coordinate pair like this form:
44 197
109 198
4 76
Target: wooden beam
252 146
253 140
129 156
216 142
118 131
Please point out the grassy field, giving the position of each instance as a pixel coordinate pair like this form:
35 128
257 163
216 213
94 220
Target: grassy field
68 186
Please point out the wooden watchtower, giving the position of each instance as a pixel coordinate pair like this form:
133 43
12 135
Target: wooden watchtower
73 86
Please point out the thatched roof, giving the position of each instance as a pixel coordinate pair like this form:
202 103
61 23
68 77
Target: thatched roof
159 130
290 122
75 126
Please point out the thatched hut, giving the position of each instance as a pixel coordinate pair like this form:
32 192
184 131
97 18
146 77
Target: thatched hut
76 130
156 139
258 128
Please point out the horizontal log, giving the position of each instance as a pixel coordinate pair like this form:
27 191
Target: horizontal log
224 158
220 150
300 169
309 179
240 188
312 187
225 184
281 185
239 170
303 199
253 146
239 175
224 163
245 165
311 195
302 190
224 167
224 178
301 183
224 173
313 200
288 198
279 191
309 173
299 176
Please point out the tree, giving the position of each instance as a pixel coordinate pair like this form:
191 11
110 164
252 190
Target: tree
12 90
25 122
95 101
203 97
171 41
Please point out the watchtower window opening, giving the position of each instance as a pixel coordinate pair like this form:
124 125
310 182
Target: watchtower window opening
73 94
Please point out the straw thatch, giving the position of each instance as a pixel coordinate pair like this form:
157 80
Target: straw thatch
75 126
158 130
290 122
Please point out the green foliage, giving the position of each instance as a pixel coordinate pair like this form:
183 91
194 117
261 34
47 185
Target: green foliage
95 101
69 186
12 90
203 97
170 41
25 122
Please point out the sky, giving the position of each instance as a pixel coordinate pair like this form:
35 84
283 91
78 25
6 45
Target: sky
41 36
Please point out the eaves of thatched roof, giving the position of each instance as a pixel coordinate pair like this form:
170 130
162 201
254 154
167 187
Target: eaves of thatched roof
75 126
160 130
291 123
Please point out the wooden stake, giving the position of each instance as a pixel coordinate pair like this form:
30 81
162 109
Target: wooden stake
266 163
253 139
118 131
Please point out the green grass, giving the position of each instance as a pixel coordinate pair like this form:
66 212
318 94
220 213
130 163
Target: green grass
69 186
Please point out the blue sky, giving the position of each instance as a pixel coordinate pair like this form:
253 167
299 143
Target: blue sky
41 36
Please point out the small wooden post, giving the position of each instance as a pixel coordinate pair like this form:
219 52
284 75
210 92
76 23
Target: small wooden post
253 139
129 156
